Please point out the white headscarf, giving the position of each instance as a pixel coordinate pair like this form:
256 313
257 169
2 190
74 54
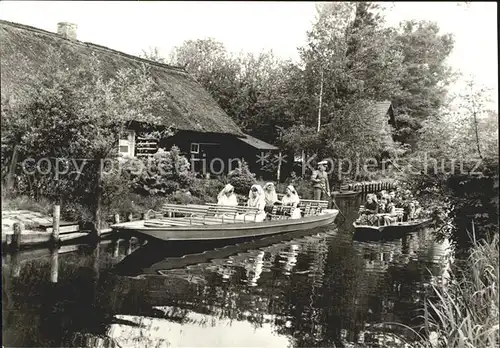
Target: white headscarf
259 201
224 199
293 199
270 195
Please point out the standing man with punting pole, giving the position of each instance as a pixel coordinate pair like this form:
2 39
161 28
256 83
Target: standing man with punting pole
321 187
320 182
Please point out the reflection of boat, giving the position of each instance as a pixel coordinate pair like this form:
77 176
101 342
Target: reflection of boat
154 258
369 231
196 225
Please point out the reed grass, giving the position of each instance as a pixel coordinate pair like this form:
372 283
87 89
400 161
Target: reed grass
465 310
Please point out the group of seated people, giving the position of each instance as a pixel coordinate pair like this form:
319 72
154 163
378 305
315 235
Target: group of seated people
262 198
380 209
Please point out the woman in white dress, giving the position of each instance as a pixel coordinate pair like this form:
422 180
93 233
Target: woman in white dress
270 193
227 196
257 199
291 198
271 196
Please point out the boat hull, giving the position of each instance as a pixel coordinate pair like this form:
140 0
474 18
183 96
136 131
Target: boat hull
389 230
229 231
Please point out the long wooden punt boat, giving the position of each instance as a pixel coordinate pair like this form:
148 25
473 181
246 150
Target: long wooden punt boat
214 222
393 229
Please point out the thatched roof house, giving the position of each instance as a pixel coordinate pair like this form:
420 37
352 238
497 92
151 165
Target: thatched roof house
190 106
204 130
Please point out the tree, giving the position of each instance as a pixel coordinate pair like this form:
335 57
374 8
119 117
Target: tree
67 114
261 103
212 66
250 88
348 62
455 170
425 76
351 54
372 55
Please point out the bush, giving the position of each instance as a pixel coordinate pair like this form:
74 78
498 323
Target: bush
42 205
74 211
164 173
303 186
206 189
184 198
242 179
70 210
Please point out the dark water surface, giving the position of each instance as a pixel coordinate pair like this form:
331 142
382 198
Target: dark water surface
308 289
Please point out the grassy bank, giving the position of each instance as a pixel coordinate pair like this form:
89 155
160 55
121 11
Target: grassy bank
465 310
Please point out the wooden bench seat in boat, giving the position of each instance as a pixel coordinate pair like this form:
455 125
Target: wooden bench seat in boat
191 221
239 209
312 207
281 212
306 201
308 207
210 213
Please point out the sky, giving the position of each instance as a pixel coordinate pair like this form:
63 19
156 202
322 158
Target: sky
216 332
133 26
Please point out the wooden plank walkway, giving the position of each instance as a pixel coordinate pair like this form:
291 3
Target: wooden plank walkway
37 228
34 221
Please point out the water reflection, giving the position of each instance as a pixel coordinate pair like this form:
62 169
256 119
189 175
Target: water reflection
316 288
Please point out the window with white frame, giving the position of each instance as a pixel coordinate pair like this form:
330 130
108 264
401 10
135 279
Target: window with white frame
126 146
195 148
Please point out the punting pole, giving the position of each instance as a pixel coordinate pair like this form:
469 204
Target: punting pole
332 199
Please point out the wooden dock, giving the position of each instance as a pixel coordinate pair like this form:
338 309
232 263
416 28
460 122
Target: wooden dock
21 228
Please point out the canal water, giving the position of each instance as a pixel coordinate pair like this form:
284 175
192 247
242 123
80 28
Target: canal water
319 288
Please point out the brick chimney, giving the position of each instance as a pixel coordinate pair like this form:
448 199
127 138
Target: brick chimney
67 30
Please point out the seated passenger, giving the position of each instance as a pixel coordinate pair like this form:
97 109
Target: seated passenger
257 199
227 196
382 205
393 195
371 204
418 210
270 195
291 198
409 211
391 218
381 195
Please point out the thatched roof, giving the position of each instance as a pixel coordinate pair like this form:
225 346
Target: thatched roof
190 106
